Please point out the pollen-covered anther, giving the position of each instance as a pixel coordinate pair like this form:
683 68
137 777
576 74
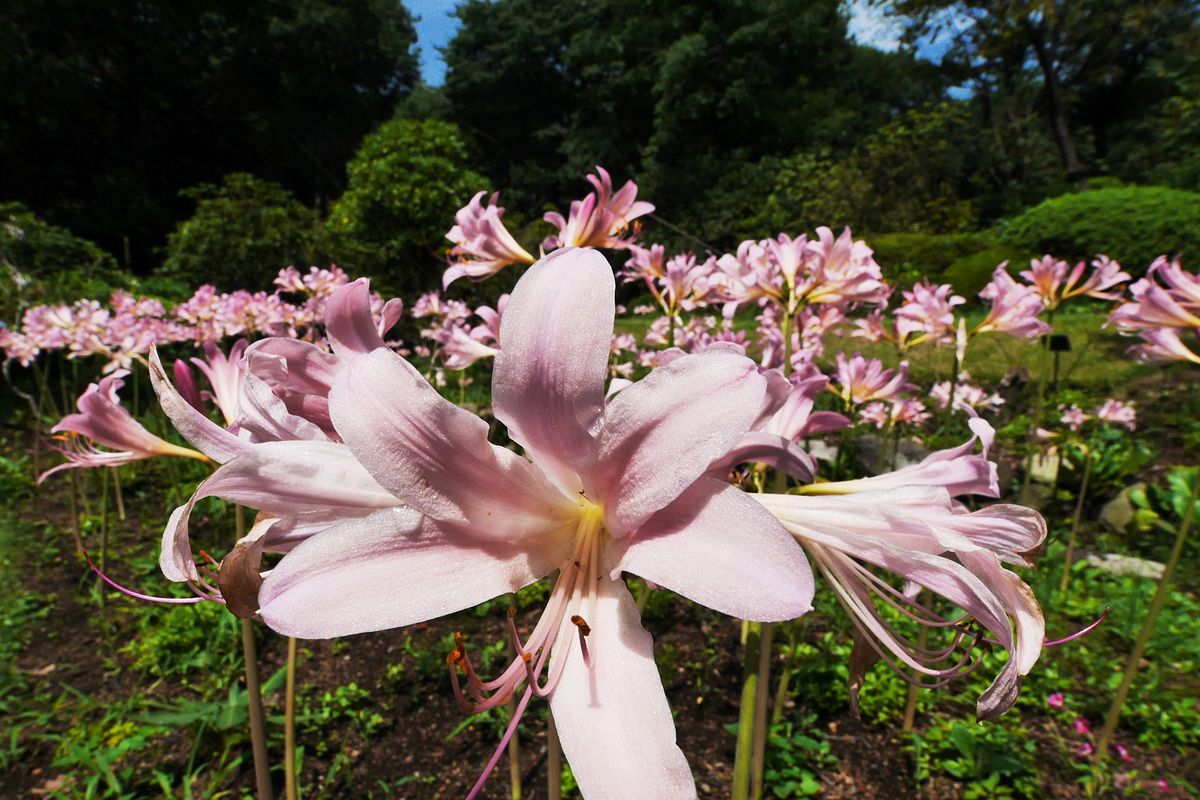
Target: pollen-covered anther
204 555
454 657
526 656
581 623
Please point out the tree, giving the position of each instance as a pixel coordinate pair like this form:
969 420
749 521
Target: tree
111 108
1081 54
686 97
405 183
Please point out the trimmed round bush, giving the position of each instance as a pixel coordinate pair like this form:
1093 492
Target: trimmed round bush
243 232
1133 224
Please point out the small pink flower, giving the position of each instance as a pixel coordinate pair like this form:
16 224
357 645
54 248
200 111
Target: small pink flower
103 420
1074 418
1123 753
482 245
602 219
1056 700
1115 412
1082 726
1085 750
862 380
1015 307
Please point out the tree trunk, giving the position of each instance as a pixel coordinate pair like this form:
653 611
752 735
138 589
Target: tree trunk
1054 106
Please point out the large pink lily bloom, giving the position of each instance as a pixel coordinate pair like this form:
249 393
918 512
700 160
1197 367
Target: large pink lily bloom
607 488
919 535
103 420
286 460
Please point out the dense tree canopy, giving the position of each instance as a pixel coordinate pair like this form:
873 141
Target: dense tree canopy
110 109
735 117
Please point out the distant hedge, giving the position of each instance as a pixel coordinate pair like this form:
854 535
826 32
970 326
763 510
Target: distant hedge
964 260
1133 224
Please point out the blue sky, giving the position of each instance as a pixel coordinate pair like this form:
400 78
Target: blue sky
868 24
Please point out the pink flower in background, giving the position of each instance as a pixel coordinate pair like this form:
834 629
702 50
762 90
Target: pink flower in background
1082 726
795 273
1165 303
1055 280
602 219
224 375
592 501
1164 344
482 245
1074 418
1056 700
896 412
103 420
861 380
1115 412
965 394
1015 307
927 312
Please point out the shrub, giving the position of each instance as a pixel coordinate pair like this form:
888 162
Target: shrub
405 183
1133 224
45 263
243 231
969 274
905 257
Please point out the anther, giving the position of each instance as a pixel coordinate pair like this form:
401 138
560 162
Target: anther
526 656
581 623
458 640
455 657
204 554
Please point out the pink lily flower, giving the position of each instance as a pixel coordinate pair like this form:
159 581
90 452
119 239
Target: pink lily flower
1015 307
1074 418
601 219
287 461
862 380
1168 297
224 375
1163 344
1114 412
482 245
906 524
1055 281
103 420
927 313
593 501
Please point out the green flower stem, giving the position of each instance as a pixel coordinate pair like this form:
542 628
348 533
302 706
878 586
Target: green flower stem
1139 648
258 731
745 729
553 759
1088 460
289 725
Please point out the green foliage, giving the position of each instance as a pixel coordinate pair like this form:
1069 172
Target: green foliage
178 94
41 263
349 703
905 175
969 274
964 260
406 181
993 759
795 759
243 232
1133 224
